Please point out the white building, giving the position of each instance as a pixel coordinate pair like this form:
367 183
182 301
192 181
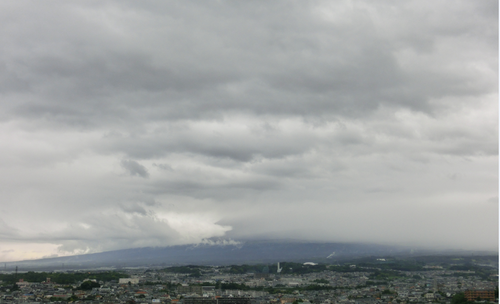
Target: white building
127 280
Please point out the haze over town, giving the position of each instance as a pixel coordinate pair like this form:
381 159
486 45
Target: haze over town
131 124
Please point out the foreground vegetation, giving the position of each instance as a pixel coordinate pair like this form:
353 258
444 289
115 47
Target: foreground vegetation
62 278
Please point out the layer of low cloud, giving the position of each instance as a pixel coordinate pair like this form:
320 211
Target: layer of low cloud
129 124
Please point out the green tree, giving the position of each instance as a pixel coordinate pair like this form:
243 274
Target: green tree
88 285
459 298
72 298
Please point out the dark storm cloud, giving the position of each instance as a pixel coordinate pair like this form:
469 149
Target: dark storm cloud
301 65
248 119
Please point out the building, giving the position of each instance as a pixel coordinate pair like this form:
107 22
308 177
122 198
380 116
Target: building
261 275
186 289
287 300
127 280
22 283
473 295
229 300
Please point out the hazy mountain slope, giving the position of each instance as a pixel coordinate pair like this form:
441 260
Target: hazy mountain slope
245 252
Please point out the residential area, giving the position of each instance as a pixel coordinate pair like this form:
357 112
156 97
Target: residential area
273 284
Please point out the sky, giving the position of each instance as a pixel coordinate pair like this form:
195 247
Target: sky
130 124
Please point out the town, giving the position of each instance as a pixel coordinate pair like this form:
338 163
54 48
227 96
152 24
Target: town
377 280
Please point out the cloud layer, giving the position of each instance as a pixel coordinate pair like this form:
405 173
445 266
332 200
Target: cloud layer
129 124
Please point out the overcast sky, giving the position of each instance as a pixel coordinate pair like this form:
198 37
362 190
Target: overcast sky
152 123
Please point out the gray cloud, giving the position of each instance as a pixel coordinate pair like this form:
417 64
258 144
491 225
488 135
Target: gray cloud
134 168
340 67
245 120
7 231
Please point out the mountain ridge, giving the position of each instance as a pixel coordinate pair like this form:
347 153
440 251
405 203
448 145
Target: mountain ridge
214 253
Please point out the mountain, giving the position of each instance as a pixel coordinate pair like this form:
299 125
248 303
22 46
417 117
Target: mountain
215 253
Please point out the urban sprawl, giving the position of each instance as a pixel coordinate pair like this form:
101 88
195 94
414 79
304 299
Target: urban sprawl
374 281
